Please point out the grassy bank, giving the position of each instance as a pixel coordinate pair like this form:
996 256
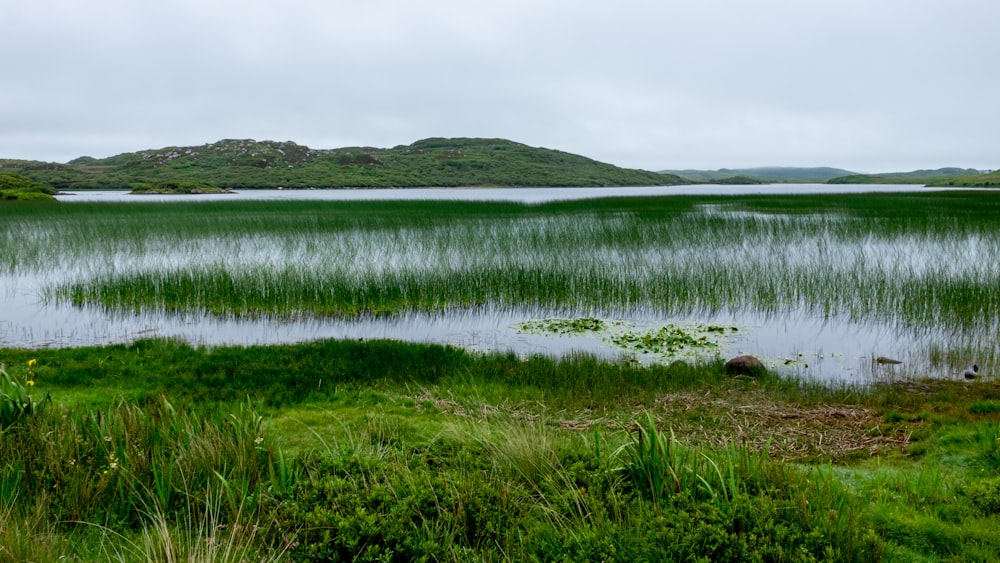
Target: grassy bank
340 450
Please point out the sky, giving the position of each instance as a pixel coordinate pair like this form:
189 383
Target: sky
864 85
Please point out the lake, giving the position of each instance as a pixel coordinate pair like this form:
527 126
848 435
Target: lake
802 341
525 195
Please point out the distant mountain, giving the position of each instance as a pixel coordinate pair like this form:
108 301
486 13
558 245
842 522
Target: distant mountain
931 173
248 163
939 176
770 174
977 180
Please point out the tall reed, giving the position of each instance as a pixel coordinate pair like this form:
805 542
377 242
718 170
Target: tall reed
924 260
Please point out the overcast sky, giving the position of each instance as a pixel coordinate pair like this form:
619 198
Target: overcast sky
866 85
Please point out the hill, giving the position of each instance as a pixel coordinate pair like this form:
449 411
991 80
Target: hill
977 180
248 163
768 174
936 177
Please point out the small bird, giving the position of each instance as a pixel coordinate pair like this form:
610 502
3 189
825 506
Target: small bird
971 372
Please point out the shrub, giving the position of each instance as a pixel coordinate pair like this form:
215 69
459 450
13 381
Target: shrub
22 195
15 183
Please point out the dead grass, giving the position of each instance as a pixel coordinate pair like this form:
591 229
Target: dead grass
754 420
788 431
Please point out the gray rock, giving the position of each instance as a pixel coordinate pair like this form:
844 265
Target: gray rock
745 365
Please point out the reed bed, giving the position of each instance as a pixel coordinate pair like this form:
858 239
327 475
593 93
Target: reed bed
925 260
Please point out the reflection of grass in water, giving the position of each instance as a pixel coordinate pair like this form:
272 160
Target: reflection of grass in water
668 342
928 260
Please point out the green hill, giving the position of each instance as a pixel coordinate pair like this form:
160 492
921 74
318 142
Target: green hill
977 180
766 174
927 177
267 164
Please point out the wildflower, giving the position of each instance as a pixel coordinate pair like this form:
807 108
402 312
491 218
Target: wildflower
30 382
32 362
258 440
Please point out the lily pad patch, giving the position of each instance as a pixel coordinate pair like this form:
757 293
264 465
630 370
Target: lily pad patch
667 342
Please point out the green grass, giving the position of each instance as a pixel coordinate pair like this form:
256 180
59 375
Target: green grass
388 450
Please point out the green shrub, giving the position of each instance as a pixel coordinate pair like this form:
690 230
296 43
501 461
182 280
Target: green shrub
357 509
22 195
984 407
15 183
984 495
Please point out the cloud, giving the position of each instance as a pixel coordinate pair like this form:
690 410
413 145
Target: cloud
864 85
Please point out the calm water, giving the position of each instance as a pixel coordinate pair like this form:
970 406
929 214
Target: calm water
797 342
813 347
527 195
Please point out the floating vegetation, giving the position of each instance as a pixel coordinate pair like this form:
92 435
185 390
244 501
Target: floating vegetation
668 342
671 341
563 326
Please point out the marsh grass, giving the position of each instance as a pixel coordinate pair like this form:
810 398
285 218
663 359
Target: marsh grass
177 477
198 533
925 260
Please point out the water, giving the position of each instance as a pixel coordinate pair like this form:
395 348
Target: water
525 195
799 342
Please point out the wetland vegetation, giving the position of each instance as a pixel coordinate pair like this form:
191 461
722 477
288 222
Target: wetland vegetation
391 451
18 188
916 263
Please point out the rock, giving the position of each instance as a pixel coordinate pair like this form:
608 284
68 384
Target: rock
883 360
971 372
745 365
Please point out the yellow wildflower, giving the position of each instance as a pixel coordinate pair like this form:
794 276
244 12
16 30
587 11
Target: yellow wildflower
30 382
32 362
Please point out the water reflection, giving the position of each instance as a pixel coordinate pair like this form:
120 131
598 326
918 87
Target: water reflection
805 342
526 195
799 342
